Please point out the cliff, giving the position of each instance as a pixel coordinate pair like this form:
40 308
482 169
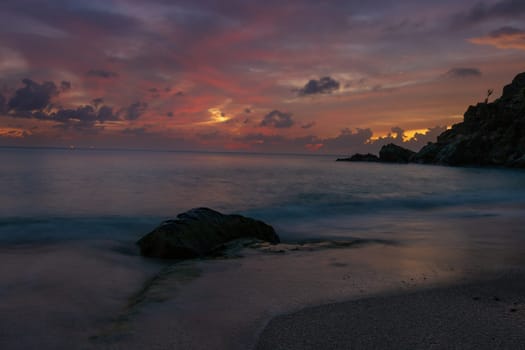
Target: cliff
491 134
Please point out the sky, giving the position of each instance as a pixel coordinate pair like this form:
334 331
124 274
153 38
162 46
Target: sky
336 77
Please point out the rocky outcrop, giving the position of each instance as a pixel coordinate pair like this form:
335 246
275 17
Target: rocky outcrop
491 133
392 153
358 157
200 232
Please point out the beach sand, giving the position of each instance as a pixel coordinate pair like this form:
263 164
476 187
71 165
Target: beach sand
98 297
483 315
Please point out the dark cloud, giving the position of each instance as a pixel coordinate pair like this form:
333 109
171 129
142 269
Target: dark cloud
348 140
308 125
133 111
65 86
400 133
277 119
33 96
97 101
325 85
105 113
505 31
179 94
101 73
396 136
430 135
463 73
85 114
82 118
153 90
3 106
86 119
483 11
169 114
34 101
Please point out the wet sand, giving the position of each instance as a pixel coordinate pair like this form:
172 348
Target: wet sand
483 315
103 295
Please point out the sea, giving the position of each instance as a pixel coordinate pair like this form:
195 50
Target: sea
69 220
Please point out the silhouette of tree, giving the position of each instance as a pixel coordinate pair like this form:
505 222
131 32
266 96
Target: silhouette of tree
489 93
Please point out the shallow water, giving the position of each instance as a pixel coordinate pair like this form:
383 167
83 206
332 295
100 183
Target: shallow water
70 269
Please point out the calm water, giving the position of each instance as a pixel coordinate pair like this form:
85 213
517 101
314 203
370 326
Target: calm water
69 220
63 195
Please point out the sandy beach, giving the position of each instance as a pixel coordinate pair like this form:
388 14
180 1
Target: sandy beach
377 295
482 315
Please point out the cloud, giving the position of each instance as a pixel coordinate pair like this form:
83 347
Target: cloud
105 113
33 101
33 96
308 125
325 85
14 133
134 131
421 139
65 86
348 140
83 118
415 143
97 101
400 133
504 9
503 38
3 106
101 73
133 111
277 119
463 73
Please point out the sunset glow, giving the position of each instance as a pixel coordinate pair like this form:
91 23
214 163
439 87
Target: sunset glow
271 77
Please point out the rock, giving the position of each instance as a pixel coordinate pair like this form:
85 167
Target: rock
491 133
392 153
358 157
200 232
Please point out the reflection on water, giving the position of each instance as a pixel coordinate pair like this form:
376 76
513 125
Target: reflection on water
69 220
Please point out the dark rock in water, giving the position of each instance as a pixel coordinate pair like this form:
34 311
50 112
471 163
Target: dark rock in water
490 134
395 154
358 157
200 232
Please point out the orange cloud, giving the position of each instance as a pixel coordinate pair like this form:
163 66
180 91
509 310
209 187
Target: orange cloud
14 132
503 38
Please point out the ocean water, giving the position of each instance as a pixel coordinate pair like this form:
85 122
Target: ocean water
50 195
69 220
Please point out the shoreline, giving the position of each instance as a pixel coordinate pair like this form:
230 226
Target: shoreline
220 303
483 314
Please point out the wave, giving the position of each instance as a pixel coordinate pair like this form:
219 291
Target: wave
23 230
